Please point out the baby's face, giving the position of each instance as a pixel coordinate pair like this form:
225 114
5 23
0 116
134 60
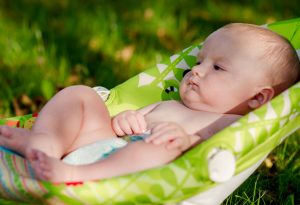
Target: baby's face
228 73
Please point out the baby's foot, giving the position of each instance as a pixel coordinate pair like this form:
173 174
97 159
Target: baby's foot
14 138
48 168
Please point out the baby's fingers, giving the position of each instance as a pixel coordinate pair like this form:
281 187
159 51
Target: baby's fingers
117 128
175 144
133 124
123 127
179 143
160 137
141 122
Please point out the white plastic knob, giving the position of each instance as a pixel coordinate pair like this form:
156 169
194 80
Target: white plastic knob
221 165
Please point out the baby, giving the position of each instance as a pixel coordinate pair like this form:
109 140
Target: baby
239 68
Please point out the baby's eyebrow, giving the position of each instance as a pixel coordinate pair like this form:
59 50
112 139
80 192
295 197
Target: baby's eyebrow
225 61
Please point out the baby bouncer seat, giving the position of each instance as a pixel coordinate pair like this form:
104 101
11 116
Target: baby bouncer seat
206 174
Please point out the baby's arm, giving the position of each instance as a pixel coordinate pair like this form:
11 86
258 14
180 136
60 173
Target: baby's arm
134 157
173 135
132 121
176 138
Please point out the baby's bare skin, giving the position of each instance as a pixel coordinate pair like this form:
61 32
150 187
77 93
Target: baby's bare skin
192 121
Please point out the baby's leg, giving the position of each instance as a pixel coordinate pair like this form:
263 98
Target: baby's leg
134 157
72 118
14 138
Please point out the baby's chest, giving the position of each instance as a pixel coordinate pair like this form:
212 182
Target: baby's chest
191 120
167 111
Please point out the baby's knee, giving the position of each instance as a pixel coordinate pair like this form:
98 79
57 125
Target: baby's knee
77 93
77 90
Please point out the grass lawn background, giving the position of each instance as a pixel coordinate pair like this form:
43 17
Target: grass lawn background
48 45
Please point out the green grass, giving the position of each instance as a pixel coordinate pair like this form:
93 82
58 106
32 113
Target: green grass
48 45
275 182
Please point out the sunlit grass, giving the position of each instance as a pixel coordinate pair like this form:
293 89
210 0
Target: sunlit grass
277 181
47 45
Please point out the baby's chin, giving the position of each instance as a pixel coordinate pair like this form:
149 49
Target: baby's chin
197 106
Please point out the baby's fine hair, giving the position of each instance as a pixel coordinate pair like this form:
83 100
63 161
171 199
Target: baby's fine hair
279 53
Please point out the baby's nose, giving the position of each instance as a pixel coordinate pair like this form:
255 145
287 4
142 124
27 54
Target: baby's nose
197 71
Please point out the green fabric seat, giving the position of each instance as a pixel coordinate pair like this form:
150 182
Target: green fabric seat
239 146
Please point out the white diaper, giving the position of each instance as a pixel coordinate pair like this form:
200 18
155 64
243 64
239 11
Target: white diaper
95 151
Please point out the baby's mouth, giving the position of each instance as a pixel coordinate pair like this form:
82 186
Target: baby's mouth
192 84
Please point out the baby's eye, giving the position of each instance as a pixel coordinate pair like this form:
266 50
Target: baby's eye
216 67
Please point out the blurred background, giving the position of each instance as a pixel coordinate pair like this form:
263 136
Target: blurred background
48 45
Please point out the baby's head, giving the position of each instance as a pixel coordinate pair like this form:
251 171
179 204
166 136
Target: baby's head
280 60
240 68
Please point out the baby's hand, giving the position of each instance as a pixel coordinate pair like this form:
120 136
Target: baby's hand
128 123
170 133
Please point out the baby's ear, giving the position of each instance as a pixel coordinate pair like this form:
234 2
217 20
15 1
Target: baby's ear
264 96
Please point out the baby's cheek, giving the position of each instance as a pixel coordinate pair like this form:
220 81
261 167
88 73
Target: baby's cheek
220 99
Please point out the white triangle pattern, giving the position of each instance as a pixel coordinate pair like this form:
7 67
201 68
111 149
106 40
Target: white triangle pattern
170 76
287 104
180 175
134 188
264 25
283 122
252 117
161 67
153 197
145 79
194 52
184 50
238 142
236 124
253 134
182 65
190 182
120 197
271 114
293 115
268 128
174 57
168 189
70 192
94 188
160 85
111 189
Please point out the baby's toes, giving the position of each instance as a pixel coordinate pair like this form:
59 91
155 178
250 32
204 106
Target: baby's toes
46 174
38 161
5 131
31 155
41 171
